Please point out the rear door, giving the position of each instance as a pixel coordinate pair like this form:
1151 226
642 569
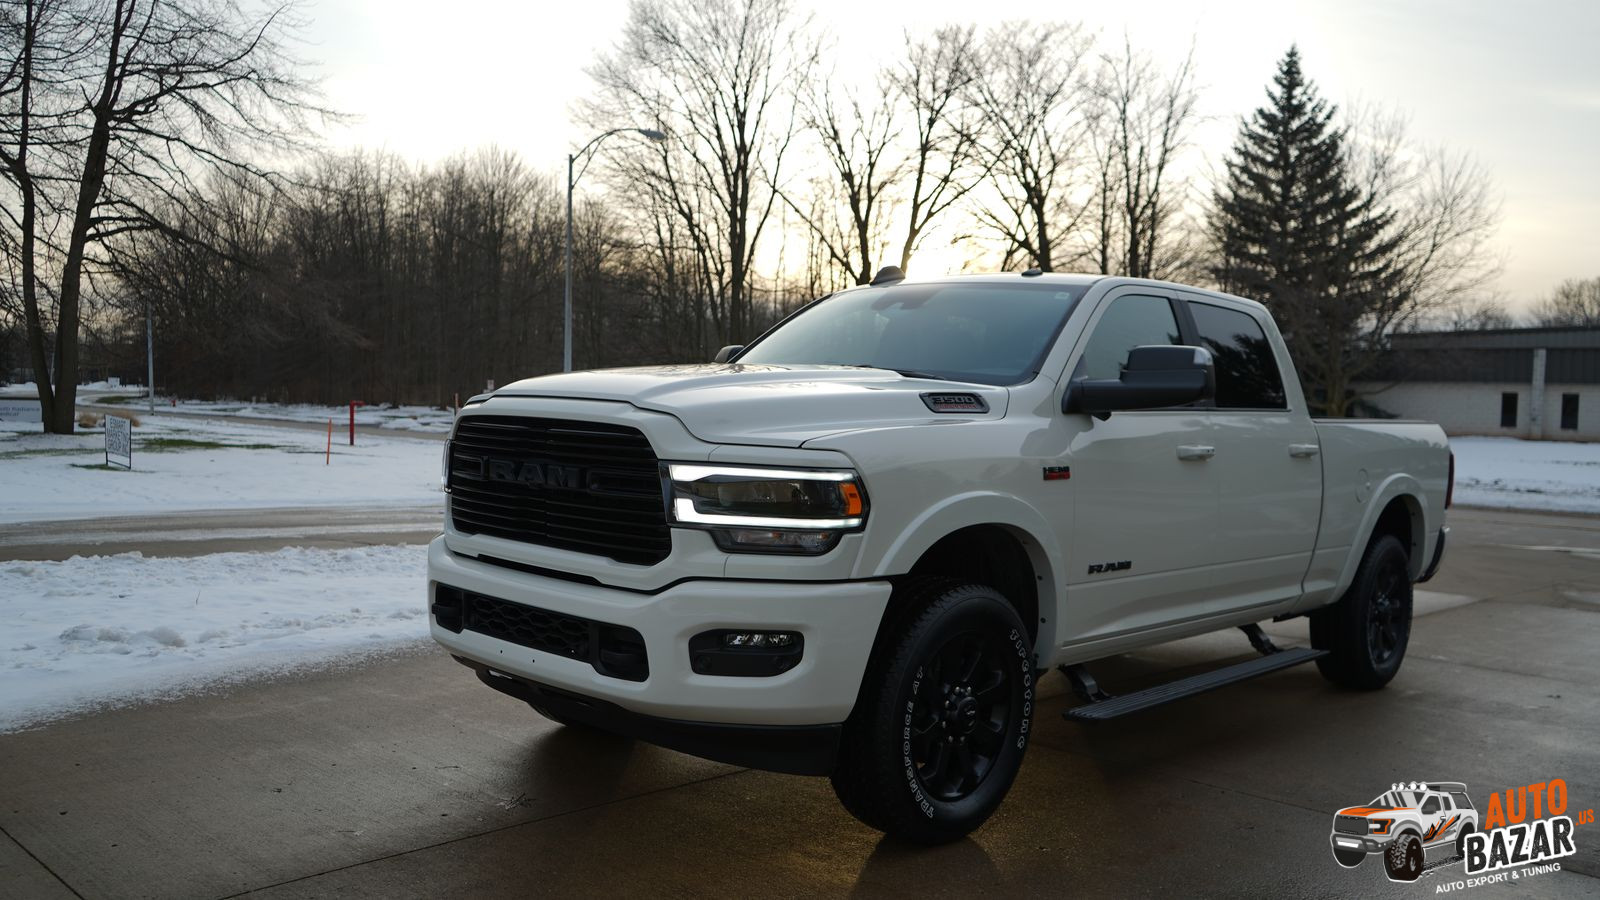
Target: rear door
1267 464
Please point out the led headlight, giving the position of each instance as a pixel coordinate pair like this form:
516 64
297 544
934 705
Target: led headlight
758 510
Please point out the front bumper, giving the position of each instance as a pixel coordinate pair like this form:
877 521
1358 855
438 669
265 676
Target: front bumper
792 749
838 621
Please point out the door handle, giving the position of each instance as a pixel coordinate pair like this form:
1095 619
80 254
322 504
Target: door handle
1301 451
1196 451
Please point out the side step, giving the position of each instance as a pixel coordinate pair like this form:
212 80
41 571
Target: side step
1111 707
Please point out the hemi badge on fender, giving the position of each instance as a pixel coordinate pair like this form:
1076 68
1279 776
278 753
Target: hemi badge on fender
1057 473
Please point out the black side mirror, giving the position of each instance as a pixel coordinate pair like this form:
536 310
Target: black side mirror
727 353
1155 377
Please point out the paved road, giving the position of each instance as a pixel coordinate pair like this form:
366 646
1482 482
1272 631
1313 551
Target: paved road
405 778
218 531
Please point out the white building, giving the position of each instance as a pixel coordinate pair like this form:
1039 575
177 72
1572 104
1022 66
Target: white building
1540 383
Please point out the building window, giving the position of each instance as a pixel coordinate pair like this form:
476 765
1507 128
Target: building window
1569 412
1508 410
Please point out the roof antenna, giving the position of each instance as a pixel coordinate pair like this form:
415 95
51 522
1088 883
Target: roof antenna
1029 273
888 275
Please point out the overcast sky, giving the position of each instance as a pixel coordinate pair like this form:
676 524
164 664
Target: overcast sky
1515 83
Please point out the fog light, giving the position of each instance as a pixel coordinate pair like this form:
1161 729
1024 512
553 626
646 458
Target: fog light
773 639
748 654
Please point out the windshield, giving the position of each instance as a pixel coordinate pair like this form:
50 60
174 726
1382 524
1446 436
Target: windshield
981 332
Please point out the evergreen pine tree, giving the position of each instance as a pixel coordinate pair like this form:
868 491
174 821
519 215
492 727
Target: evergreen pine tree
1296 232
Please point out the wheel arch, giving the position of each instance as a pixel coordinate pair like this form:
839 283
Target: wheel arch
1399 508
975 536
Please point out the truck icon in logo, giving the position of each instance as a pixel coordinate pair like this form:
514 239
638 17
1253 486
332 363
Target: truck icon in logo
1406 824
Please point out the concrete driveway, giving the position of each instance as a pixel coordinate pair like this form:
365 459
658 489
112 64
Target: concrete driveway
406 778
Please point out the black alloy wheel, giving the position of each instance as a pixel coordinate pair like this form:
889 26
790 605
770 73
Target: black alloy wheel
1389 622
961 711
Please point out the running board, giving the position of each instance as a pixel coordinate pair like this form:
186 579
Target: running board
1111 707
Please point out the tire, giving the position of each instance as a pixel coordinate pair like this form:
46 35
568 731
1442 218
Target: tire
1403 859
1367 630
1461 840
943 718
1348 858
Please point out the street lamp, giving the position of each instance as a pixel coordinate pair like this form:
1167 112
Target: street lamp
566 312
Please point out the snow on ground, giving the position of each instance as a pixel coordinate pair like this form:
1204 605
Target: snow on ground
399 418
186 464
108 630
1516 474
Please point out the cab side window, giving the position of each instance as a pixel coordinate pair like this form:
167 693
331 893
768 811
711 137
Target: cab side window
1247 371
1131 321
1430 807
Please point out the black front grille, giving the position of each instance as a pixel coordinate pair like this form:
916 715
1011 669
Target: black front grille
613 650
584 486
1350 825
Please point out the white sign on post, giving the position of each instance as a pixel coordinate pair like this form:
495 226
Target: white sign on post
16 409
119 442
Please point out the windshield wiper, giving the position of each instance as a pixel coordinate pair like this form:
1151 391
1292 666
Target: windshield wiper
904 373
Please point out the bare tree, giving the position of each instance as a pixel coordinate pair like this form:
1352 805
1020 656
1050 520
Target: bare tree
713 75
1030 95
1444 214
1478 312
150 96
846 212
1140 126
1574 302
933 82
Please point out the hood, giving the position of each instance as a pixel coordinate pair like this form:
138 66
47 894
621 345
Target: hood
1364 811
781 406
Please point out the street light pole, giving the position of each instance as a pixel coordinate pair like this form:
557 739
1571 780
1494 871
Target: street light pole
150 357
566 304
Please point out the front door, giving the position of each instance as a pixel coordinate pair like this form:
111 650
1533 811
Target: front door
1140 508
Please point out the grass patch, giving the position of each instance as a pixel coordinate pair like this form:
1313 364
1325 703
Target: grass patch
165 444
100 466
52 451
115 400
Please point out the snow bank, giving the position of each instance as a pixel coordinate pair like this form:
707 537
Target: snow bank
108 630
177 466
1547 475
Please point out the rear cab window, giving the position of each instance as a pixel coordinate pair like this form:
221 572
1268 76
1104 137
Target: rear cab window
1247 369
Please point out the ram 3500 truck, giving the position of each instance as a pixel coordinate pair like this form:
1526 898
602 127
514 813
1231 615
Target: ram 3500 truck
851 547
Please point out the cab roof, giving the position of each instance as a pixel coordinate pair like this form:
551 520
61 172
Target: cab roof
1069 279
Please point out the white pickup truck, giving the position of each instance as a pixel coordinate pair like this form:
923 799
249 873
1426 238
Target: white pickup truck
851 547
